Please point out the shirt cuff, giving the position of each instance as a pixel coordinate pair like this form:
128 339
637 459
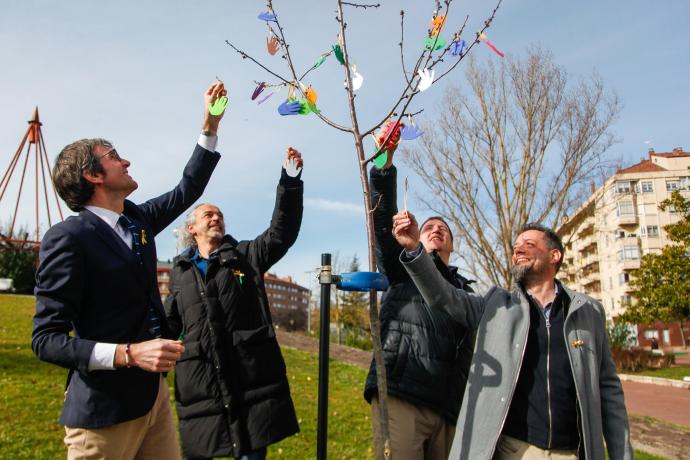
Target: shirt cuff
411 255
102 357
208 142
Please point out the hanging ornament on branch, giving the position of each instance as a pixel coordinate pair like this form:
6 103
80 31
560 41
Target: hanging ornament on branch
338 51
426 78
410 132
272 44
490 45
258 90
437 23
435 42
267 16
458 46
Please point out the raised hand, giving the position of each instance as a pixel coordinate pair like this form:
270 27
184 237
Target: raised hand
406 230
214 99
293 164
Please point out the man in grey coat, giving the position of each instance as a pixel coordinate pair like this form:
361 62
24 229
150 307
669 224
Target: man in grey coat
542 382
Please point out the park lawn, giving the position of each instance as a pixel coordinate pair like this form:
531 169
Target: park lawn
675 373
32 395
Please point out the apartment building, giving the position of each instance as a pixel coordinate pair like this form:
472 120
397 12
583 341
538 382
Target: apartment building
608 234
288 301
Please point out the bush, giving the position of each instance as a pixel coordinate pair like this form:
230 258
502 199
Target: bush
638 359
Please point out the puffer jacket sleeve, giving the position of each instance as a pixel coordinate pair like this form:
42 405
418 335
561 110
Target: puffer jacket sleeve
613 413
270 246
383 188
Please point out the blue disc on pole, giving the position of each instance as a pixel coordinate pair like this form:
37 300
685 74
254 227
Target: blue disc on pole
362 281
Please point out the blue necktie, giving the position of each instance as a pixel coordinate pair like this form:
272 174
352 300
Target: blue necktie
126 222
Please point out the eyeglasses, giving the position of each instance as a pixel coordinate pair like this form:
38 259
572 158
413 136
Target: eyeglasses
112 153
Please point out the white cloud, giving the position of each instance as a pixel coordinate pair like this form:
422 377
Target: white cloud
334 206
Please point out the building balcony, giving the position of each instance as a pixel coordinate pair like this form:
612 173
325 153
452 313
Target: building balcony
630 264
591 278
627 219
587 227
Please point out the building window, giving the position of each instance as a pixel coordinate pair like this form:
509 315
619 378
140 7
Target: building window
685 183
629 253
652 230
626 208
623 278
647 186
625 300
650 334
623 186
672 185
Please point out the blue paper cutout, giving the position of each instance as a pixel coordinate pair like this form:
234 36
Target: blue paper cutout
458 47
290 107
410 132
267 16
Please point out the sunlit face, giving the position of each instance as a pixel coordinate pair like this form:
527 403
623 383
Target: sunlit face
435 236
532 256
115 177
208 223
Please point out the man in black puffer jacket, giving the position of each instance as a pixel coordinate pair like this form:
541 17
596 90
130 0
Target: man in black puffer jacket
231 387
427 354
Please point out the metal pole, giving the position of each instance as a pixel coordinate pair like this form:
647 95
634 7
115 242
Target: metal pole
325 279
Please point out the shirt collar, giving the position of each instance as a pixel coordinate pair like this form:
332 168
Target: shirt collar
556 291
108 216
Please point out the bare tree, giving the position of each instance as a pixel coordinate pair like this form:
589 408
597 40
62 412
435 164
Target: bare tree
419 78
517 145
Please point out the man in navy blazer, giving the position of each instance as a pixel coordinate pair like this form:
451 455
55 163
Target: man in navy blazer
97 280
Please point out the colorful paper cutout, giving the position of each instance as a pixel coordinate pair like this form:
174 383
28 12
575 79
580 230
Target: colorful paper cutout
259 89
218 106
357 79
261 101
311 95
437 24
440 43
410 132
338 51
272 45
305 107
490 45
381 160
426 78
267 16
321 60
393 140
290 107
458 47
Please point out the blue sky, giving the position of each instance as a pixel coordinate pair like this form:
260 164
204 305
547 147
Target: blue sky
134 72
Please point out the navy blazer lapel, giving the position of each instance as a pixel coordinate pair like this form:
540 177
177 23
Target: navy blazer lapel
108 235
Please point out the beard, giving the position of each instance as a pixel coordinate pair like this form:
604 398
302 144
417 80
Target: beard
521 273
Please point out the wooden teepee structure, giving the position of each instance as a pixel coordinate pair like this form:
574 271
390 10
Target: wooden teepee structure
32 138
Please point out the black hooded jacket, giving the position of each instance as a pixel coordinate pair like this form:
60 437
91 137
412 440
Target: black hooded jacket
231 387
427 354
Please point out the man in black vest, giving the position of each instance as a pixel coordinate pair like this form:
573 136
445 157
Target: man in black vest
97 279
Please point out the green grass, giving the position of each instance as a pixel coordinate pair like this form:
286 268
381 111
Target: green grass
32 395
675 373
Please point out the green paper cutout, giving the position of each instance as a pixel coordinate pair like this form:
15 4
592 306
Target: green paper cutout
320 61
429 42
218 107
306 107
339 54
381 160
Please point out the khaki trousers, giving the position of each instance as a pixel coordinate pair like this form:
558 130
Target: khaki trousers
514 449
151 437
417 432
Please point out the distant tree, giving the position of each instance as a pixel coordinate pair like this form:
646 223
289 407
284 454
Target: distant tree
515 143
355 307
18 262
661 286
290 319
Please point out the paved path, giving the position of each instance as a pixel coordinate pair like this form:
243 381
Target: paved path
661 402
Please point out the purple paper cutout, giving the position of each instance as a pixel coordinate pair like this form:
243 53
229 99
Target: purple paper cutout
259 89
458 47
267 16
289 107
261 101
410 132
